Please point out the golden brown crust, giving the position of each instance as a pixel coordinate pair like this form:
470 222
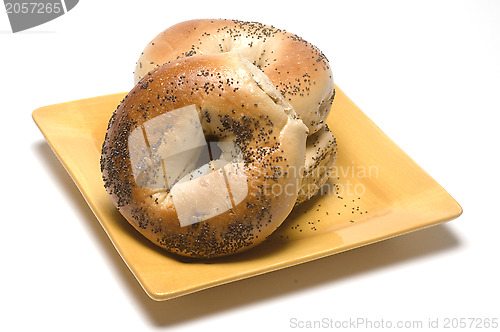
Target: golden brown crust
232 105
298 70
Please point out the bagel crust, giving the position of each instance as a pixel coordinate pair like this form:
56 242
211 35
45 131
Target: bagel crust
228 100
298 69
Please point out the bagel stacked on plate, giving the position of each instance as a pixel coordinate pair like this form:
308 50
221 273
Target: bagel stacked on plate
298 70
221 136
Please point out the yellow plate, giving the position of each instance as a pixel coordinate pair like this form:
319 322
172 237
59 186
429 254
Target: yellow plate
376 192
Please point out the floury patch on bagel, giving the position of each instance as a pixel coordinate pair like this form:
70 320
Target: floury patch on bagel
207 155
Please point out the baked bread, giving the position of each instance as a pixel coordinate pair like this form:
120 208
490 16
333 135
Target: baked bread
221 136
298 70
157 174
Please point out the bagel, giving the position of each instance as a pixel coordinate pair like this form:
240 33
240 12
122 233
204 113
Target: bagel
194 152
297 69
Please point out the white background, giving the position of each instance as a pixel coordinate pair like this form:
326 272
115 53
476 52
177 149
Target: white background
426 72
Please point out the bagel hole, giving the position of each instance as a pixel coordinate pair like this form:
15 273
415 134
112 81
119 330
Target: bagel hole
201 175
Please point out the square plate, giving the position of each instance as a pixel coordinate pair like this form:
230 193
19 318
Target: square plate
376 192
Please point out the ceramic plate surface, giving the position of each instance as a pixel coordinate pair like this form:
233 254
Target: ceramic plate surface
376 192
